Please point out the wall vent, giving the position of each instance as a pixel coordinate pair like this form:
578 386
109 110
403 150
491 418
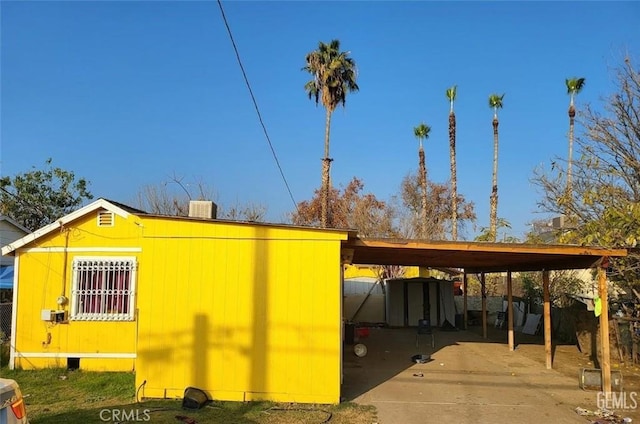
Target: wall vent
203 209
105 219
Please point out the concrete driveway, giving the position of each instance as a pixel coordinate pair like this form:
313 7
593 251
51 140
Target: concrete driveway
468 380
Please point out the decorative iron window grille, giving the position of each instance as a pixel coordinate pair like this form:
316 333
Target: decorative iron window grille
103 289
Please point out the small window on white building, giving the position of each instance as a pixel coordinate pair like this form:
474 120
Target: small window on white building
103 289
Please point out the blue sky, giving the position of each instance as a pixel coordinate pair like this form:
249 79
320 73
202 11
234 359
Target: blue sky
128 94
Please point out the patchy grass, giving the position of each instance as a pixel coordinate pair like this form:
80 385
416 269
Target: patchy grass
59 396
54 391
4 352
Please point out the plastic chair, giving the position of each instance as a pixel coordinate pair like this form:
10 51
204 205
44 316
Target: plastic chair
424 327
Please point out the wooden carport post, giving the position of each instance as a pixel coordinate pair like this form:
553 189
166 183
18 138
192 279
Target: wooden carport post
547 318
604 326
483 292
464 299
510 311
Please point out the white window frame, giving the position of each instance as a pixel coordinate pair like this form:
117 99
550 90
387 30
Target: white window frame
108 267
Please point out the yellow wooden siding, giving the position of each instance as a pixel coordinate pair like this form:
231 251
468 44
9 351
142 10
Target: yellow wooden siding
355 271
45 273
244 312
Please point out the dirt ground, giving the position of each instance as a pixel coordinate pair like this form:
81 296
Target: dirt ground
567 358
469 379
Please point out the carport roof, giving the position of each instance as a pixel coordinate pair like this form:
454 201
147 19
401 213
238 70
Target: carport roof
475 256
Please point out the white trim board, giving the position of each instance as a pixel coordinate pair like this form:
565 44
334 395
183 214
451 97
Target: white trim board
14 315
79 249
97 205
75 355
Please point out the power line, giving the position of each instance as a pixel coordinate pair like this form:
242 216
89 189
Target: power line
255 105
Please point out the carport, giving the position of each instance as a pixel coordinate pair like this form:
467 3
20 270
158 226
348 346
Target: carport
482 258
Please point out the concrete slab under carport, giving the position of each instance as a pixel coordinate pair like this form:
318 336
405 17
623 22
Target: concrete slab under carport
482 258
468 380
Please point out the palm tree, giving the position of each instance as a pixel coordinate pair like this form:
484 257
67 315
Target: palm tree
574 86
334 75
422 133
451 95
495 102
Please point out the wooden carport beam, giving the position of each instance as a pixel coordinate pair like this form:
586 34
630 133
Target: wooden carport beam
510 311
547 318
604 326
476 257
464 299
483 292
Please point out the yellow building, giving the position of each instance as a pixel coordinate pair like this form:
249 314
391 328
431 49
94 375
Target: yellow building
353 271
244 311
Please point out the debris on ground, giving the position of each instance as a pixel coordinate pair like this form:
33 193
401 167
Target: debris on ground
604 416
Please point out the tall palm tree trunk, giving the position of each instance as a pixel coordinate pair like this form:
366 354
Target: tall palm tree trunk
423 185
326 167
454 178
569 189
574 86
493 203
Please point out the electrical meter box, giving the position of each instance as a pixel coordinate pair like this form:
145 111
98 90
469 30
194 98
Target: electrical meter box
60 316
47 315
53 316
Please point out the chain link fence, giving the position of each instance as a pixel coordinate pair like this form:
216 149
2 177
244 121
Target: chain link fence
5 321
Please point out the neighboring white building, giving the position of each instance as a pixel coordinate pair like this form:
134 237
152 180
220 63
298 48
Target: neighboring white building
10 231
364 300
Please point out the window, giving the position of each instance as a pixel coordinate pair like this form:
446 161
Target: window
103 289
